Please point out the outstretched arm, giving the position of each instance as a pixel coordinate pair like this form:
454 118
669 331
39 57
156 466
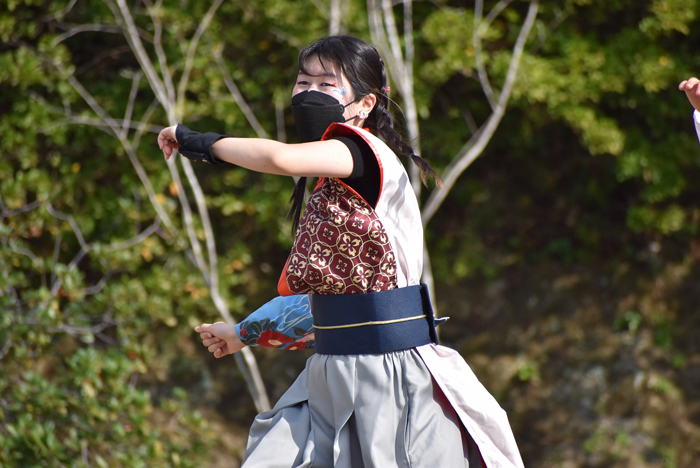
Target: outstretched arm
691 87
330 158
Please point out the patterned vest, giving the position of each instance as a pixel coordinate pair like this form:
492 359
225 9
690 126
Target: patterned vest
344 246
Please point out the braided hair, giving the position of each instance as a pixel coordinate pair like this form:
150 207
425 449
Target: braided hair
365 71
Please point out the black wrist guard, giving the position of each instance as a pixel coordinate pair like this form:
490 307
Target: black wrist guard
196 146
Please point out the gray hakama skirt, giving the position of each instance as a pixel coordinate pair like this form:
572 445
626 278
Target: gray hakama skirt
353 411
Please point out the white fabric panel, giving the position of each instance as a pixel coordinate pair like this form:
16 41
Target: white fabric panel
397 207
480 413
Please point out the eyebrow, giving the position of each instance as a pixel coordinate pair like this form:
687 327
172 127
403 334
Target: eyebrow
322 75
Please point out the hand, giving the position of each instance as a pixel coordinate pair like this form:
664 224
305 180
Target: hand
167 141
691 87
220 338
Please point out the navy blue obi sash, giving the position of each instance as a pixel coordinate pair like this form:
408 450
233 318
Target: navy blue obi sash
373 323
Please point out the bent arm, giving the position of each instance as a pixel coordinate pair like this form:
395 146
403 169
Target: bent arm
329 158
285 322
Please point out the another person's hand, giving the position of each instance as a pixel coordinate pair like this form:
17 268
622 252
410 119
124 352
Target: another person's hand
167 141
691 86
220 338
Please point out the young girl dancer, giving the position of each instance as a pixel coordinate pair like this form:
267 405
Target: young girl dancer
379 392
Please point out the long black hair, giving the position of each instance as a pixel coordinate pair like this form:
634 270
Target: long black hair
364 69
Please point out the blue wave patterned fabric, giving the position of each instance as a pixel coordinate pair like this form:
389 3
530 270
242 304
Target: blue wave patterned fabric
285 322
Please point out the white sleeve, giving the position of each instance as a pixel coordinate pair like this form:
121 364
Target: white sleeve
696 118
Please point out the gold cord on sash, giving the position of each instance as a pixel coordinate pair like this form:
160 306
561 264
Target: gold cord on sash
363 324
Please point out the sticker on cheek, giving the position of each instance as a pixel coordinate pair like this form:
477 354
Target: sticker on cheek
340 92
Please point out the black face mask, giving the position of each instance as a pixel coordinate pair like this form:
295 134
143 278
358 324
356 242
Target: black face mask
313 112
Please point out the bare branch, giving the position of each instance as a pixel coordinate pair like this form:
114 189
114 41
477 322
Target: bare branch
74 330
15 296
96 28
98 287
192 49
479 28
288 38
408 39
101 124
469 118
84 248
62 13
64 217
323 9
6 348
85 28
144 126
114 127
26 208
279 117
108 53
395 52
21 250
87 97
160 53
379 38
238 97
71 118
124 19
335 19
249 368
74 263
245 359
474 147
206 224
409 97
134 240
493 14
130 106
386 37
149 187
56 251
559 18
164 92
187 219
483 77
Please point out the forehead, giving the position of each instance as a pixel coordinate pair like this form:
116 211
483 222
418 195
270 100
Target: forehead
318 68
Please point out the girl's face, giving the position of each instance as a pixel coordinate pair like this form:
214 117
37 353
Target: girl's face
330 81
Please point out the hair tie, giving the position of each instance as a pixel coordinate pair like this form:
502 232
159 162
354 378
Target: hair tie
387 89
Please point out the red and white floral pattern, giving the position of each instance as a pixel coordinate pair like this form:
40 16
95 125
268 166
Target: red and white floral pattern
341 246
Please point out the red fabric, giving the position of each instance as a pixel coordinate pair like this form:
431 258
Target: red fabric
273 339
341 246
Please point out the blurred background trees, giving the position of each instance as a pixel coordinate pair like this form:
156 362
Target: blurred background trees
567 253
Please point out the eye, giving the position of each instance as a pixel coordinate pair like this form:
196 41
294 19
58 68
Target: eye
329 84
302 83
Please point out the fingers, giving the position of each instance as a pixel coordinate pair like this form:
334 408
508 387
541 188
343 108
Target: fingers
211 341
167 141
687 85
219 345
216 346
